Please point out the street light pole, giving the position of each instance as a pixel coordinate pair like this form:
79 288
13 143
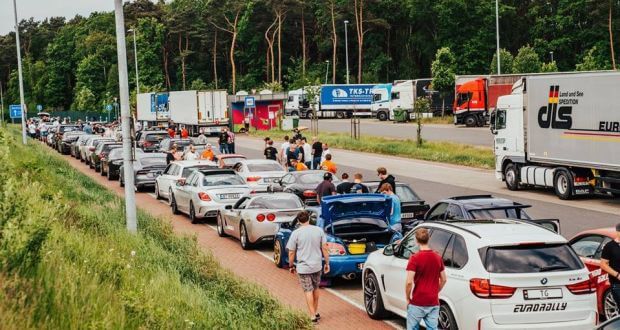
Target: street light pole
326 71
19 72
346 48
551 52
123 83
135 56
499 70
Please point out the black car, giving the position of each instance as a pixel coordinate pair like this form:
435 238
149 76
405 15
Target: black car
146 168
301 183
102 151
75 146
149 140
412 207
60 131
167 143
64 147
112 163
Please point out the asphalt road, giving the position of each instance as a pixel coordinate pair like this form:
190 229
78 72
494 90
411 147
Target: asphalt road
480 136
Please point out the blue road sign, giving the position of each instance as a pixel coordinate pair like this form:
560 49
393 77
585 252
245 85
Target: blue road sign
250 102
15 111
109 107
39 107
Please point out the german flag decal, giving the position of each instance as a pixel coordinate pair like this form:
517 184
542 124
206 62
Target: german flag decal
554 92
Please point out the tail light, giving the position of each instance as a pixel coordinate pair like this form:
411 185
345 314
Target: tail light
585 287
147 144
253 179
271 217
260 217
335 249
309 193
581 179
204 196
483 288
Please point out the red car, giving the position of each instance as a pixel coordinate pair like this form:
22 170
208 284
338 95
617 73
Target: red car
589 246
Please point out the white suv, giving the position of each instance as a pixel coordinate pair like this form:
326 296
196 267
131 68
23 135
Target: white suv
502 274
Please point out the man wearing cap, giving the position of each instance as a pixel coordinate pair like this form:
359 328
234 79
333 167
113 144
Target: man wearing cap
610 263
325 188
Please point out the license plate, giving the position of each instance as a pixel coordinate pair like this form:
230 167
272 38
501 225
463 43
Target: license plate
268 180
538 294
407 215
229 196
360 266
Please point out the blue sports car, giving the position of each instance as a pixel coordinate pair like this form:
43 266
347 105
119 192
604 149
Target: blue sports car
355 225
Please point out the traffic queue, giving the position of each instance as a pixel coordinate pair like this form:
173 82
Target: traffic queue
503 268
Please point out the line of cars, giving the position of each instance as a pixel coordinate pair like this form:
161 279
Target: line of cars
505 269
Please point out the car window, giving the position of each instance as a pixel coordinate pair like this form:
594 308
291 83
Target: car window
406 194
408 246
600 249
222 180
153 161
188 170
288 179
276 203
311 178
454 212
195 180
534 258
242 203
439 241
168 169
510 213
264 167
459 252
190 179
586 246
438 212
154 137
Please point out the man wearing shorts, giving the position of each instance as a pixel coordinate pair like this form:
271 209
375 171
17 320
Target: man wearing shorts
308 246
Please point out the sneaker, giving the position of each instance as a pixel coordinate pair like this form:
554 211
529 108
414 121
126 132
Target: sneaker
317 316
315 320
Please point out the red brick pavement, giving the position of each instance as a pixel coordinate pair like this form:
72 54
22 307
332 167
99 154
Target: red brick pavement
335 312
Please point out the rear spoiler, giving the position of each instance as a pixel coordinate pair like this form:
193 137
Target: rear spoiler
280 220
516 206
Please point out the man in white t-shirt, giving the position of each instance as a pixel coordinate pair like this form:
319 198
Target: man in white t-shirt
283 149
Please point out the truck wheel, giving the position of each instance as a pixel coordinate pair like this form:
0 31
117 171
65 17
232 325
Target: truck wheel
382 116
471 121
563 184
511 176
309 115
340 115
295 113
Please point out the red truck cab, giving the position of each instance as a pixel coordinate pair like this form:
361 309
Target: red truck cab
476 97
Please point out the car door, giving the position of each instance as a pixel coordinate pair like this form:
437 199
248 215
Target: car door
454 258
454 212
167 179
232 217
182 194
395 273
588 248
284 182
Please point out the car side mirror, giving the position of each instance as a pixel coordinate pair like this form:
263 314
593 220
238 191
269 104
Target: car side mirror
389 249
228 207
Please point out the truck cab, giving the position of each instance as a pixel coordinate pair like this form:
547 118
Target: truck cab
470 103
381 97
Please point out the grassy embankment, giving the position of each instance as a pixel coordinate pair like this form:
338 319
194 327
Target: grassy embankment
67 262
445 152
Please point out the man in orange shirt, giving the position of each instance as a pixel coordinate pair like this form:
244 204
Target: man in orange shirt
208 153
298 166
328 165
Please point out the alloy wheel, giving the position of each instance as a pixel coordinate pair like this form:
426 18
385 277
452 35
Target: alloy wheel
610 308
370 295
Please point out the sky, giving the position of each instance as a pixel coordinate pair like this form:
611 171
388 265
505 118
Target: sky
40 9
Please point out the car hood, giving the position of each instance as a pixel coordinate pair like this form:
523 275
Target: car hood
339 207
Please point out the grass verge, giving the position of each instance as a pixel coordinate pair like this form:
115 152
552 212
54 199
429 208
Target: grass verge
445 152
445 120
67 262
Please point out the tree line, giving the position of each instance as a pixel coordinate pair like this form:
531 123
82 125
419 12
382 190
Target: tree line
70 63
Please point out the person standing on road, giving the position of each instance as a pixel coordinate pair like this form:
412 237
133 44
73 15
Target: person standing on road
328 165
317 152
270 151
385 178
325 188
395 214
283 150
292 153
610 263
223 141
184 133
231 141
170 156
307 152
326 152
345 185
426 276
202 138
308 246
358 187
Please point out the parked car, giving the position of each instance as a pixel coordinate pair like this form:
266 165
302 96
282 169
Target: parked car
59 131
259 173
75 146
64 147
589 245
253 218
166 144
502 274
302 183
355 225
146 168
92 149
101 153
205 192
228 160
149 140
90 146
613 324
175 171
412 207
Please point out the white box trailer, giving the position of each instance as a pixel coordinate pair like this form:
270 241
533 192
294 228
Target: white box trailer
560 131
205 111
152 107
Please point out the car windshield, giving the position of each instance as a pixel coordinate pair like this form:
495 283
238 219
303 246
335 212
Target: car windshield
222 180
153 161
188 170
406 194
116 153
511 213
64 129
230 161
155 137
311 178
264 167
530 258
276 203
109 147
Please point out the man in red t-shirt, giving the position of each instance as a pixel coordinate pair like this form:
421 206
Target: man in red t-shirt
425 278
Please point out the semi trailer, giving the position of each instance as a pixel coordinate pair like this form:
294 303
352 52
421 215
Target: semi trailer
152 108
560 131
402 94
332 101
200 111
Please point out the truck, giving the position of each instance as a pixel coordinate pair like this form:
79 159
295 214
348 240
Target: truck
402 94
560 131
476 97
199 111
333 101
152 108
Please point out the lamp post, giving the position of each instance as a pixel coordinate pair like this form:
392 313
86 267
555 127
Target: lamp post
551 53
135 56
326 71
346 48
499 70
21 78
123 83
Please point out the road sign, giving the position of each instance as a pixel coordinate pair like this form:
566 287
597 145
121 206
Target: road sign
15 111
39 107
250 102
109 107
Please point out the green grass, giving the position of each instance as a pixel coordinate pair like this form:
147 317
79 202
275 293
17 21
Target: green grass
445 152
67 262
445 120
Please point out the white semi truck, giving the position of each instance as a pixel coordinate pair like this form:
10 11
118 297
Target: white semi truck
205 111
560 131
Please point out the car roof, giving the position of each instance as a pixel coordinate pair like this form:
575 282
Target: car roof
273 194
499 231
188 163
300 173
480 201
153 155
215 171
608 231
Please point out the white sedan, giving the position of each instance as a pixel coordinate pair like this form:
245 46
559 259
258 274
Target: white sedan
175 171
205 192
259 173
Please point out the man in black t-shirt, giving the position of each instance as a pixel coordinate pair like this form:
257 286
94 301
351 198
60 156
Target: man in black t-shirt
610 263
270 151
345 185
317 152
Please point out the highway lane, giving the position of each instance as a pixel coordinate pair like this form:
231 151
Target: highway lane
480 136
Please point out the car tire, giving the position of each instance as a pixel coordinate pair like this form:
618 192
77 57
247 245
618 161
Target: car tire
373 302
243 237
173 205
120 180
511 176
101 171
610 307
278 253
446 318
157 195
220 226
471 121
170 197
109 175
192 213
563 184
